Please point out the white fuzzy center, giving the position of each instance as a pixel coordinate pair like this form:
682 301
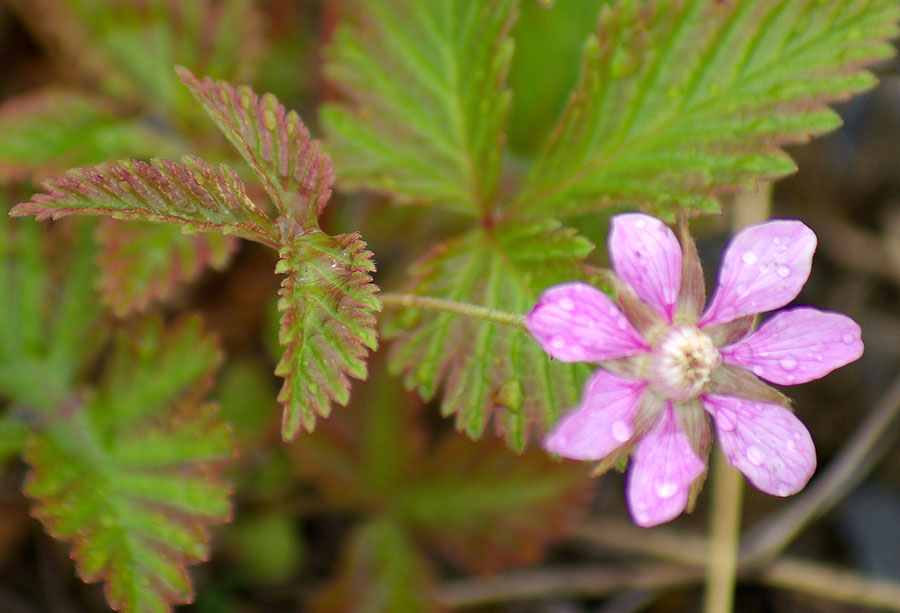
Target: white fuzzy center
683 361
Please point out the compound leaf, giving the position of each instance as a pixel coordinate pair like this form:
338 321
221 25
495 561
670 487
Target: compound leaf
328 305
193 194
426 100
487 367
142 262
679 100
291 165
132 477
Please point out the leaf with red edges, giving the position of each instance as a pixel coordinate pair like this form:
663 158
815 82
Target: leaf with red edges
144 262
132 476
291 165
193 194
328 305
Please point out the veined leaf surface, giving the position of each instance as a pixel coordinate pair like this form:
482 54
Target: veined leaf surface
426 100
486 367
680 100
133 476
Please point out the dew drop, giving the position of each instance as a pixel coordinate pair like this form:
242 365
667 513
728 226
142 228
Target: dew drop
622 323
777 241
784 272
621 431
788 362
665 489
749 257
848 339
783 489
557 342
742 290
640 223
566 304
755 455
819 357
791 446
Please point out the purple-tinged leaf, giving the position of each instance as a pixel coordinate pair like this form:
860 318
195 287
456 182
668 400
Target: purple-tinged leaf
145 262
328 306
291 165
193 194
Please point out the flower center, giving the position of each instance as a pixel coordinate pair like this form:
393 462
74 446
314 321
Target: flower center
682 363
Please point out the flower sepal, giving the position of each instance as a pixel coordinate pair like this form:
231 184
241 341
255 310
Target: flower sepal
734 381
733 331
692 296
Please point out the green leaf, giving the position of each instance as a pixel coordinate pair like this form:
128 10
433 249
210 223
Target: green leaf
192 194
133 476
129 48
49 131
380 570
680 100
143 262
487 368
296 174
328 304
426 100
49 315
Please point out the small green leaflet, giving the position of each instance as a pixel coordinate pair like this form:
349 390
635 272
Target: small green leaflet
141 262
426 100
193 194
486 367
680 100
291 166
327 303
133 476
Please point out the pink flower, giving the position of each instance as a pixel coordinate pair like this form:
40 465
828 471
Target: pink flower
667 365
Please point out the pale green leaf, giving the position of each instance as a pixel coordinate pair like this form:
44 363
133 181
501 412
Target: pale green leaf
487 368
680 100
135 488
426 100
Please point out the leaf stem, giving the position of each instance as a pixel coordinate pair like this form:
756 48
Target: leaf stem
474 311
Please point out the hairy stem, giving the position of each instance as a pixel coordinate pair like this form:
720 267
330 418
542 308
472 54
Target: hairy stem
449 306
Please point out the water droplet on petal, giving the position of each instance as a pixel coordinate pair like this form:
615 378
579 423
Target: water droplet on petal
819 357
621 431
665 489
776 240
848 339
623 323
640 223
749 257
557 342
784 272
566 304
791 446
783 489
788 362
755 455
742 290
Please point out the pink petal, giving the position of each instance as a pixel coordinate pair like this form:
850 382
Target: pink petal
797 346
663 467
602 422
764 268
764 441
647 256
576 322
